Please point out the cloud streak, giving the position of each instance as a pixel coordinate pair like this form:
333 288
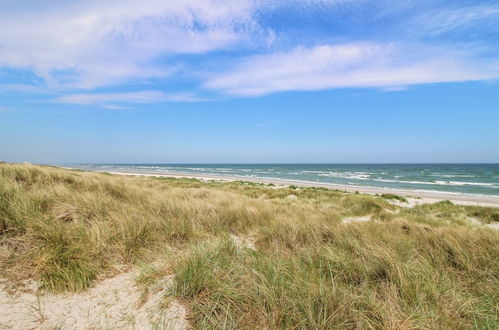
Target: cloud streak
110 100
456 19
357 65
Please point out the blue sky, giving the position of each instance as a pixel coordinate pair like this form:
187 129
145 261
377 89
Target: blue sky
249 81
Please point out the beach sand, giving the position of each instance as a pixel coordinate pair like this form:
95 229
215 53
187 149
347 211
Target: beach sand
414 197
115 302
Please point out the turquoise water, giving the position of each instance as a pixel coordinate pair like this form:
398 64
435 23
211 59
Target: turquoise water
455 178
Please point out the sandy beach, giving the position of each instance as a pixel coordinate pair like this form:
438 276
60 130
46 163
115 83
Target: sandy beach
414 197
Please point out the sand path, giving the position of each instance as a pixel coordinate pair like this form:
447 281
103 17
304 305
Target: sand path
113 303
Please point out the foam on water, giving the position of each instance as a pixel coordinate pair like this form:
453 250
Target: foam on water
453 178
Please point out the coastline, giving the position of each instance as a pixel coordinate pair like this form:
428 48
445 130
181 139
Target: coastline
414 197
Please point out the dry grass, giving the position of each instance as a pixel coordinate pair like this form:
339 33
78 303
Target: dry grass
426 267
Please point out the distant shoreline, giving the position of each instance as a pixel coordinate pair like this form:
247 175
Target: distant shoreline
416 196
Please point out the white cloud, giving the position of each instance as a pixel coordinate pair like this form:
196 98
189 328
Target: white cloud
77 46
386 66
455 19
87 44
113 107
23 88
110 100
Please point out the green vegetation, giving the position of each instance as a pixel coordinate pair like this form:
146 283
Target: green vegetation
394 197
421 267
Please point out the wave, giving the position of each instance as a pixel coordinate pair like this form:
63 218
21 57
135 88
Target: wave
455 180
441 183
460 183
347 176
452 175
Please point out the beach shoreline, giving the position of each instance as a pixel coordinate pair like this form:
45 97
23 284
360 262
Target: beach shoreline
414 197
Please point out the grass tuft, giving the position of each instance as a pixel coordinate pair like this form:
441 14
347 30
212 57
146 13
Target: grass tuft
394 197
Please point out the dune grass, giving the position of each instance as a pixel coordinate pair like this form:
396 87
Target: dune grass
425 267
394 197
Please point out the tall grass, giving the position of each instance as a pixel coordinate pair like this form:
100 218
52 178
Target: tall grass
426 267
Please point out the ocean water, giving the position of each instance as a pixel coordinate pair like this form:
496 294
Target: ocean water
482 179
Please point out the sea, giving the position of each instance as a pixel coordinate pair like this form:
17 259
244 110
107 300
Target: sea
476 179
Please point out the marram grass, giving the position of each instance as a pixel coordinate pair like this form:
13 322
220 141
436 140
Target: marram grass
428 267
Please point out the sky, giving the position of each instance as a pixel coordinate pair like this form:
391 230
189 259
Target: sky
249 81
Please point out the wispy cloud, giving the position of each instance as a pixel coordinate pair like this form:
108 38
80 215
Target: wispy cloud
378 65
113 100
5 110
24 88
75 48
456 19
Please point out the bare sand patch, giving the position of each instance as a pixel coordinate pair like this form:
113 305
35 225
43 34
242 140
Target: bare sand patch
475 221
357 219
494 226
113 303
413 201
243 242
